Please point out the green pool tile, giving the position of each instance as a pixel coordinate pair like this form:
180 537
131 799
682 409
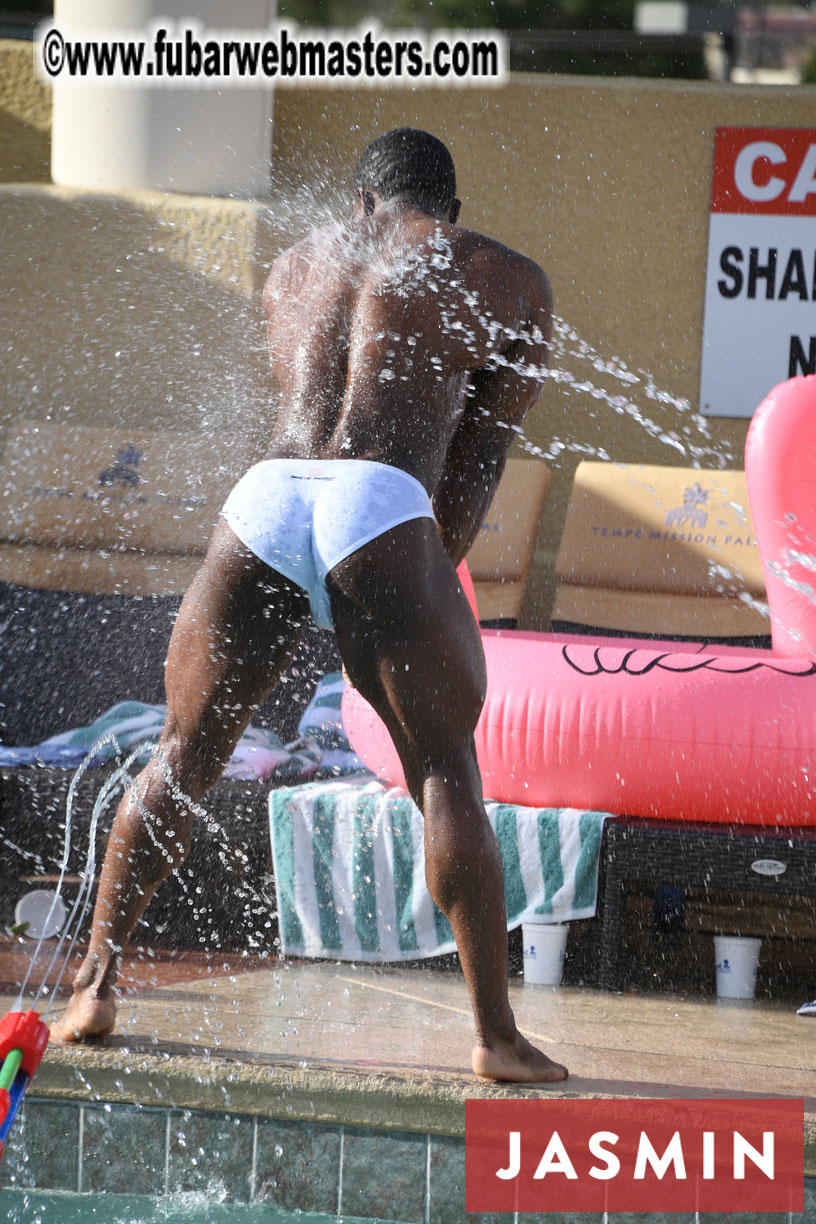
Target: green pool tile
384 1175
43 1147
13 1170
298 1165
62 1207
651 1217
123 1149
560 1217
210 1152
750 1217
810 1202
447 1187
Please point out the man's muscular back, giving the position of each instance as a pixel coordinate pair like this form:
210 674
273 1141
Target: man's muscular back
387 336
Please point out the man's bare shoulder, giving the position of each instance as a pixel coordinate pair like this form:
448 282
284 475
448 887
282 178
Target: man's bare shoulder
506 280
319 248
489 256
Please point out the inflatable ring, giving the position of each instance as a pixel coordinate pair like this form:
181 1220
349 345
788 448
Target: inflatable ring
671 730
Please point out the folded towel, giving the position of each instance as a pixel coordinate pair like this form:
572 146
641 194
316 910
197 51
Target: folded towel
260 754
350 870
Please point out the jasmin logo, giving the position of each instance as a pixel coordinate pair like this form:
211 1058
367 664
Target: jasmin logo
694 510
123 471
633 1155
672 1161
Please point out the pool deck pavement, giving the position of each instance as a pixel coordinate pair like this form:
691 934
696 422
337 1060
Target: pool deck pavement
389 1047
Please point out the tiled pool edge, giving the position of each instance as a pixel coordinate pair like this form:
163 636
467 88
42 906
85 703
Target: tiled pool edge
297 1166
294 1165
314 1138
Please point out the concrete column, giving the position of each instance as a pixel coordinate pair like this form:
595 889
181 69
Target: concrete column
213 141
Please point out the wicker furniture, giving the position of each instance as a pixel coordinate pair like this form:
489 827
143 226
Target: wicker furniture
748 860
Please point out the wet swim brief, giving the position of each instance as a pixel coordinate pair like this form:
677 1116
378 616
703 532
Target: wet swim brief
304 516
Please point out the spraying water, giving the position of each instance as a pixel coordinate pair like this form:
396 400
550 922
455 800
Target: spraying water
73 925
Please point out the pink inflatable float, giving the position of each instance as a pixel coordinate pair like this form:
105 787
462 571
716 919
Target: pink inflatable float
676 731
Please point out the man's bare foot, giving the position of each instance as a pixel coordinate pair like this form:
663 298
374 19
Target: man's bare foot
516 1061
87 1016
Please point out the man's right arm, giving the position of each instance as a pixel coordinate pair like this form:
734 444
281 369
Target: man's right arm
499 398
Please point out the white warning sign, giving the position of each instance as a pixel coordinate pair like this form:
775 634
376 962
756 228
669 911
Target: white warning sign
759 326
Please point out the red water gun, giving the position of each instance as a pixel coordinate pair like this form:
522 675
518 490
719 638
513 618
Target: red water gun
23 1038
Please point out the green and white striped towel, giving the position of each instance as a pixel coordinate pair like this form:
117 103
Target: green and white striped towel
349 866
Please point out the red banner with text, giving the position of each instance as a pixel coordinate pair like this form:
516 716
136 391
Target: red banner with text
631 1155
771 171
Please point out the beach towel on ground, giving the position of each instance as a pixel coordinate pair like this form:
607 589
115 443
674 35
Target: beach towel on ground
260 754
350 870
322 749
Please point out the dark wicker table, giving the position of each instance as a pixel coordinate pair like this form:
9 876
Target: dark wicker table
743 858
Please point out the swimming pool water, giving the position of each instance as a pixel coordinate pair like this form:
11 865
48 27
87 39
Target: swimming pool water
61 1207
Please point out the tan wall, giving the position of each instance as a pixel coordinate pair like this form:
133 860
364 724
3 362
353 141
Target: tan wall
25 117
147 307
135 308
132 308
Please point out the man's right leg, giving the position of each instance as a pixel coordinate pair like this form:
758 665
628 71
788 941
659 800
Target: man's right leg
411 647
236 630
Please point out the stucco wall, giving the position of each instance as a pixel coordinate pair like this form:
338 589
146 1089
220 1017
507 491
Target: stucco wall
25 117
137 308
147 307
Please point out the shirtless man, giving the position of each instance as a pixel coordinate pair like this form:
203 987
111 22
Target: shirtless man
406 349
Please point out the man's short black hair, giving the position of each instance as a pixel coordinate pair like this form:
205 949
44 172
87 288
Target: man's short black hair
411 163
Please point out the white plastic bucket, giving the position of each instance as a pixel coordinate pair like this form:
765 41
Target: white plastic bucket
544 947
736 958
42 911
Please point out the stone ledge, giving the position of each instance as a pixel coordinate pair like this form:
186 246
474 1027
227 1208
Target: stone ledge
430 1103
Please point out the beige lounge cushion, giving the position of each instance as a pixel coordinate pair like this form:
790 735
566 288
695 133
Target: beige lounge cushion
128 511
502 554
88 571
94 509
649 549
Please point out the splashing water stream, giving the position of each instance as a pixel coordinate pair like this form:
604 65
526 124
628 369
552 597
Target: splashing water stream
82 901
424 272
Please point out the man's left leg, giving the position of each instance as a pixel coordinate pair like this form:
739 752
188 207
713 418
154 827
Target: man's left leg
412 648
237 629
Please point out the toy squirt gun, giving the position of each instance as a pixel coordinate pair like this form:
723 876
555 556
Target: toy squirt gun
23 1038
